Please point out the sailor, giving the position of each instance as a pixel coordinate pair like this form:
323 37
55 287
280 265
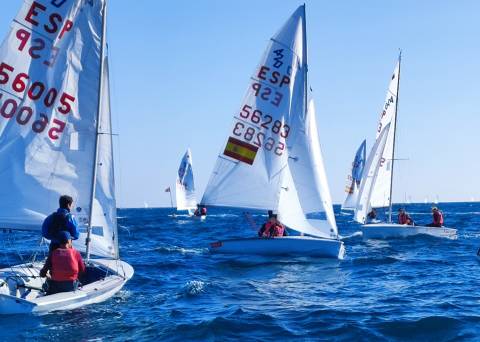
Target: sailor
437 218
372 215
200 211
65 264
61 220
272 228
278 228
404 217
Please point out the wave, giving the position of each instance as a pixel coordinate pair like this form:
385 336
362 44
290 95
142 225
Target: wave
354 235
193 288
427 328
181 250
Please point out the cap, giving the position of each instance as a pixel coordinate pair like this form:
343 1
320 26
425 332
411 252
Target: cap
64 236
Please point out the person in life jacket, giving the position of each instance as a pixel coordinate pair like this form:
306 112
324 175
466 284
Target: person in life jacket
404 218
272 228
372 215
200 211
61 220
437 218
64 264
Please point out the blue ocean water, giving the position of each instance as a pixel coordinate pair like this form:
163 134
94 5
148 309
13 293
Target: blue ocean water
418 288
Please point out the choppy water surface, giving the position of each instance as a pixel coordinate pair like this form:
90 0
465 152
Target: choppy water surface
417 288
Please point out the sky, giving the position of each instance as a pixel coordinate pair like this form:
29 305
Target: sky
179 70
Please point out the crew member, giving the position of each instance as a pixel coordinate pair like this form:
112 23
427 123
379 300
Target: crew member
272 228
61 220
437 218
404 217
372 215
65 264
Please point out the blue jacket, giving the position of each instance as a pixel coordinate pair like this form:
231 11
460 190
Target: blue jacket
72 226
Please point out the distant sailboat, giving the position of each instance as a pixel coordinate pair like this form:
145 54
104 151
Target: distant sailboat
376 186
185 185
354 178
55 145
272 158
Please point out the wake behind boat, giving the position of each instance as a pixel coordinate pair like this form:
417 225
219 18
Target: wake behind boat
272 158
376 185
53 145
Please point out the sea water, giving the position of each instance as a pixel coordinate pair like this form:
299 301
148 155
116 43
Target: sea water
418 288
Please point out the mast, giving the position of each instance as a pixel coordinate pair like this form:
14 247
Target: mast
97 134
394 135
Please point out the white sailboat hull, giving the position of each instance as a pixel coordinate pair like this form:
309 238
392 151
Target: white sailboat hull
287 245
20 288
392 230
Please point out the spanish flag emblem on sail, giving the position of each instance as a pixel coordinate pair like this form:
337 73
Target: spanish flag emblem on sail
240 150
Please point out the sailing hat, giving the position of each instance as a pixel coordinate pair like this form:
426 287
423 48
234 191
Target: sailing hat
64 236
434 208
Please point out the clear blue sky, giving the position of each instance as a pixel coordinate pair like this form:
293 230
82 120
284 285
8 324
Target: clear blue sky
180 68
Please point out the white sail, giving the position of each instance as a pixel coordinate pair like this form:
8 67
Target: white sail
310 181
250 168
280 166
381 191
370 175
104 236
48 106
185 186
355 177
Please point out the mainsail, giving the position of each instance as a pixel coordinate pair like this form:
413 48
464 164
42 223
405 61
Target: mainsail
382 188
354 178
185 186
50 88
272 158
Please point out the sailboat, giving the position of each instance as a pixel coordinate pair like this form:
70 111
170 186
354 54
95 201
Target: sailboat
354 178
272 158
376 186
56 138
185 185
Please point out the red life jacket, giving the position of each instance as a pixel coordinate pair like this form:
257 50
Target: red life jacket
204 211
265 230
278 230
438 218
403 218
66 264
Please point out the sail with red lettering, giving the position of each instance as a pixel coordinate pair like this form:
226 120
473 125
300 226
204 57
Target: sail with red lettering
53 95
48 109
270 160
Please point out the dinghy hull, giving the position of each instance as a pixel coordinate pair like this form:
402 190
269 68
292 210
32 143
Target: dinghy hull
391 230
289 245
20 288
